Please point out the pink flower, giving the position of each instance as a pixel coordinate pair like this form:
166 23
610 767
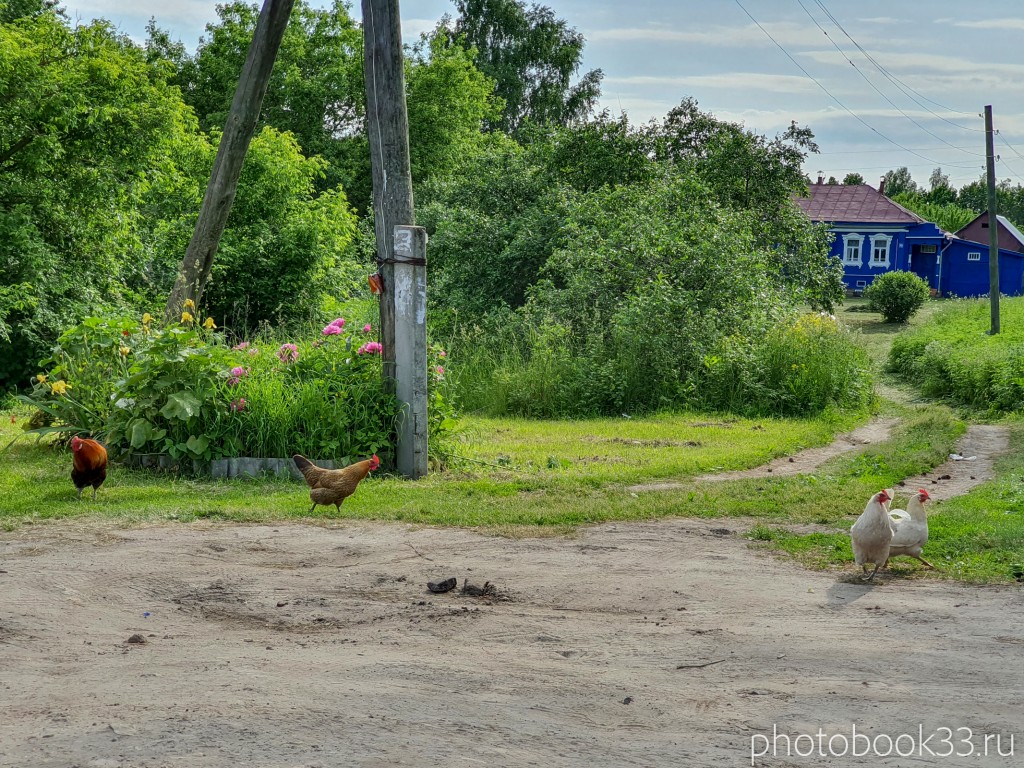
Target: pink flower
288 353
331 330
240 347
367 328
238 405
237 374
371 347
442 353
440 371
253 352
338 323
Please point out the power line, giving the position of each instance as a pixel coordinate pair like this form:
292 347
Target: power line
853 114
877 89
907 90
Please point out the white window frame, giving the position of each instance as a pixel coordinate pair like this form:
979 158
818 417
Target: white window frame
885 241
849 241
928 248
862 283
974 255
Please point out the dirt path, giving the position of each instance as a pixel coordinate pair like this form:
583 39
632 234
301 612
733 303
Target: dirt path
809 460
303 646
980 447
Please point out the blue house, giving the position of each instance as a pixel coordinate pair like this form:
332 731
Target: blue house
965 259
875 235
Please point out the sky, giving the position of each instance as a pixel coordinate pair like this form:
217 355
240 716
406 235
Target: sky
882 84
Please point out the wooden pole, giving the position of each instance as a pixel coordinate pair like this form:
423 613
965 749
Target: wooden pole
238 130
993 224
387 124
403 299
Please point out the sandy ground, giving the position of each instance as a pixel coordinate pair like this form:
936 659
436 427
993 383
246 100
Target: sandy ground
305 646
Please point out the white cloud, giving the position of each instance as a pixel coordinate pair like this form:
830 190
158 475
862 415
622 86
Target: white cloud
882 20
785 32
413 28
745 81
900 62
990 24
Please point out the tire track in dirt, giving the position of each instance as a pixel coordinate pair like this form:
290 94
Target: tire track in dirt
876 431
980 447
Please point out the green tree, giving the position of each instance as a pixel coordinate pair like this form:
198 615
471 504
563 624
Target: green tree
449 101
316 89
852 179
83 116
532 56
900 181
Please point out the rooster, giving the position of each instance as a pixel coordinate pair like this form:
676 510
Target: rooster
872 534
89 465
910 528
333 486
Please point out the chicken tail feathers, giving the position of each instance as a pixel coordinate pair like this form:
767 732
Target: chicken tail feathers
302 463
899 514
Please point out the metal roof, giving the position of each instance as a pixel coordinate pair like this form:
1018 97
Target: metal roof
1010 228
859 203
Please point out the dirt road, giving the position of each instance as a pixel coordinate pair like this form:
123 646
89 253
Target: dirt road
305 646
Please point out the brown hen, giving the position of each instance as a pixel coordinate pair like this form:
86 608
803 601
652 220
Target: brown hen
89 465
333 486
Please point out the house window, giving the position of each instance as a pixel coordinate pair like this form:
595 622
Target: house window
880 250
974 256
928 249
862 283
851 249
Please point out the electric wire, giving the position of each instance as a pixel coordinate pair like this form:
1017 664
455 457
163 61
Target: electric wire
907 90
817 82
877 89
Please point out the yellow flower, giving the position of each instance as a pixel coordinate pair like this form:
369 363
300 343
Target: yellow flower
147 318
186 317
189 304
125 351
59 387
41 378
209 324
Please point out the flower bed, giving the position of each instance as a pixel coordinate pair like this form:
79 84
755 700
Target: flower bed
183 391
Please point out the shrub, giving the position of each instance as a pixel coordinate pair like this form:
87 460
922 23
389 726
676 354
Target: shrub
897 295
182 390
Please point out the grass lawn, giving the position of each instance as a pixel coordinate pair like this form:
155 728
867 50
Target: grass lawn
521 477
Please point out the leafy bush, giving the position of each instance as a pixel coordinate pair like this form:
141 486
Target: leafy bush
183 391
897 295
953 356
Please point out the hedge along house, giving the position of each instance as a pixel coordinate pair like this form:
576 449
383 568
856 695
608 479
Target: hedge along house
873 234
965 259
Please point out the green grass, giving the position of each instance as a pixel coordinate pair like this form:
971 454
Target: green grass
508 472
978 537
952 356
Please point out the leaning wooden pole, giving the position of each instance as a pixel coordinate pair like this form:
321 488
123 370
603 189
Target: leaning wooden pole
993 224
403 268
234 143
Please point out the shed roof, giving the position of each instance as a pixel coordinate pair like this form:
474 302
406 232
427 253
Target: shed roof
1010 228
854 203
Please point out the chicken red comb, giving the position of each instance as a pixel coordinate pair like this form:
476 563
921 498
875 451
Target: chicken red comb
925 493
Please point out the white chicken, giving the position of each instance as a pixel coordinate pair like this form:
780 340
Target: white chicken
910 528
872 534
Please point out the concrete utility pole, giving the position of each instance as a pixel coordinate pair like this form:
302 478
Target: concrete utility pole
238 130
403 299
410 283
993 224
